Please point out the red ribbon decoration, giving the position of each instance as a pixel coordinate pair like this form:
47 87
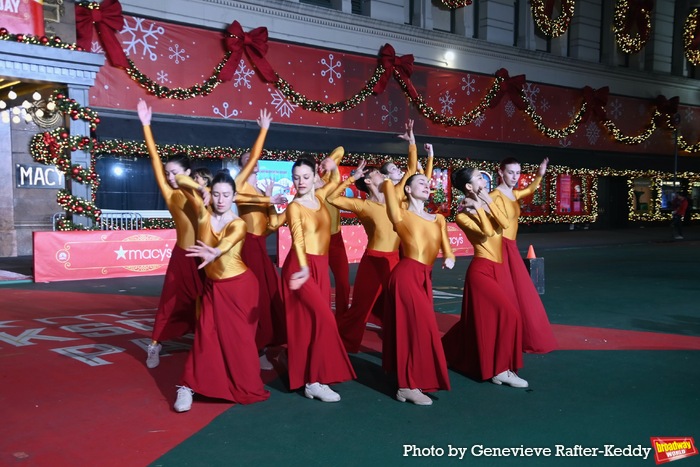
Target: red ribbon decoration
549 8
254 44
596 100
402 65
637 14
108 20
667 106
511 87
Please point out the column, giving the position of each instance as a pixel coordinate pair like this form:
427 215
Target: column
79 128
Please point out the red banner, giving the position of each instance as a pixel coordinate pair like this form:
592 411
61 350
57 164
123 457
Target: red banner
23 17
355 240
64 256
667 449
180 56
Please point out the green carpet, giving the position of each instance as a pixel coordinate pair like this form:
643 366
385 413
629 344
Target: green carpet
586 398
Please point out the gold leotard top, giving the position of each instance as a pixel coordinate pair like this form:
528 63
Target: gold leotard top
484 232
372 215
229 240
310 228
511 208
260 217
183 213
421 239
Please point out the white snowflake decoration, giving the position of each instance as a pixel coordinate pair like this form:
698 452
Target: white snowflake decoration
689 115
389 116
469 84
531 92
96 48
242 75
544 105
283 107
180 55
509 108
592 133
564 142
141 36
478 121
330 68
616 109
162 77
224 113
447 101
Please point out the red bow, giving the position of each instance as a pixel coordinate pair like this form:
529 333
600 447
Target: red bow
401 65
667 106
254 44
511 87
108 20
637 15
596 100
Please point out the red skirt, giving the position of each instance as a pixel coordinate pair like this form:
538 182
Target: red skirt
371 282
223 362
411 343
538 336
487 338
316 352
182 287
271 325
338 262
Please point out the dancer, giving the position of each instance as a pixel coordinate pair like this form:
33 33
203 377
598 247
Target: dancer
176 314
411 343
316 354
223 362
261 220
486 342
537 332
202 176
378 260
337 256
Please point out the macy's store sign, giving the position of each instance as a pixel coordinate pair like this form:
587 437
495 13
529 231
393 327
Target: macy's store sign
63 256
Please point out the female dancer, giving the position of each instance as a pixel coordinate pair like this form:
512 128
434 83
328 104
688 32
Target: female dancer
337 256
223 362
261 220
378 260
411 343
537 332
316 354
182 287
486 342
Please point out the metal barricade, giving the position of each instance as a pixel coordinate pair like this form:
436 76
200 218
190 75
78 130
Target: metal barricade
121 221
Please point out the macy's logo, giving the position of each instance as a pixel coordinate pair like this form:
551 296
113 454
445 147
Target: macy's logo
160 254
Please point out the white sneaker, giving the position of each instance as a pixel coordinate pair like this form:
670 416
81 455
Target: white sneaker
153 358
183 403
265 363
413 395
321 392
510 378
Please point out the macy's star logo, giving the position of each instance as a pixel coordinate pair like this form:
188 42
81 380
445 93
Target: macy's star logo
121 252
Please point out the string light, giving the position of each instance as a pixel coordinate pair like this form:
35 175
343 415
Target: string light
552 27
692 52
622 25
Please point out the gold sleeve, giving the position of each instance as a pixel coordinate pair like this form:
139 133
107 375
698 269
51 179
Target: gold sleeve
445 239
297 230
234 232
429 167
337 199
157 164
275 221
247 198
190 189
411 169
255 153
499 214
393 208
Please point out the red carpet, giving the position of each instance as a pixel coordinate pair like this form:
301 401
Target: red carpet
75 389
